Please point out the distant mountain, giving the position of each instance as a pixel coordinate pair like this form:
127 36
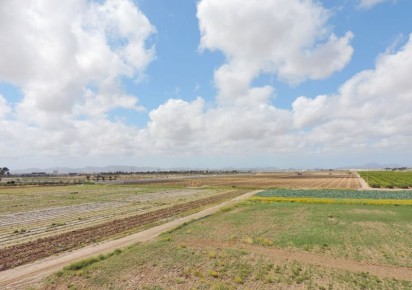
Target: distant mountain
89 169
373 165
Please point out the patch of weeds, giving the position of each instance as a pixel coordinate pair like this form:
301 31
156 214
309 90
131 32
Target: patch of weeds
220 286
248 240
212 255
238 280
213 273
264 242
87 262
59 273
155 287
81 264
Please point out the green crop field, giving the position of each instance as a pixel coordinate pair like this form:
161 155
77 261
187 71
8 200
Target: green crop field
343 194
263 246
387 179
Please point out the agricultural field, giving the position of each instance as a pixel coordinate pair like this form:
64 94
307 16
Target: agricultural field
387 179
289 180
39 221
28 213
263 245
337 196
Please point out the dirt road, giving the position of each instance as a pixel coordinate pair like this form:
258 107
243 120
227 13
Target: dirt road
23 276
362 183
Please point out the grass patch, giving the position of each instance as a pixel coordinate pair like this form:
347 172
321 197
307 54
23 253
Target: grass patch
185 259
87 262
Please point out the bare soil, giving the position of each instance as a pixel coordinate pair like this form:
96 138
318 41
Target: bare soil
20 254
27 274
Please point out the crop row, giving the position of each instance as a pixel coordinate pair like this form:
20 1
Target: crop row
30 251
342 194
387 179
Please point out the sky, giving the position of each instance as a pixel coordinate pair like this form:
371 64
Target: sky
205 84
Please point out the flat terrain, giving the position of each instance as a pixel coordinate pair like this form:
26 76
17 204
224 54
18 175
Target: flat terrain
28 213
292 239
31 212
25 275
264 246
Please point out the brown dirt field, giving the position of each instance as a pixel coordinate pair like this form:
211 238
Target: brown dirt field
30 251
295 180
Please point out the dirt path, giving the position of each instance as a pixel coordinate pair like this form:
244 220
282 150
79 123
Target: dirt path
362 183
284 255
25 275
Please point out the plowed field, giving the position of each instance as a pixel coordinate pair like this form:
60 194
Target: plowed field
27 252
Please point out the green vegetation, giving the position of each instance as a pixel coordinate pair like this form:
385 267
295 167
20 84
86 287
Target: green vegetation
342 194
85 263
387 179
242 247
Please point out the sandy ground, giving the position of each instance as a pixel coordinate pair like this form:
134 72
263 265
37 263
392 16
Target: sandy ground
23 276
362 183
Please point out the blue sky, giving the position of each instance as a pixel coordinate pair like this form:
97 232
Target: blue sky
205 83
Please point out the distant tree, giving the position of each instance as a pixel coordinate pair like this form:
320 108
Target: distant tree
4 171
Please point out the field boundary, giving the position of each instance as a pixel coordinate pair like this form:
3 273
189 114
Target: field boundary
24 275
362 183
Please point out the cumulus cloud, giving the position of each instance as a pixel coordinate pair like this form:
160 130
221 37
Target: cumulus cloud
68 66
288 38
66 55
372 109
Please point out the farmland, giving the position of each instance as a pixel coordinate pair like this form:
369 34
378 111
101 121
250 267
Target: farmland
388 179
264 246
38 221
337 196
32 212
36 212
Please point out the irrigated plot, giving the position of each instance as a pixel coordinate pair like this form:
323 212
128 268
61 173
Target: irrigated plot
29 213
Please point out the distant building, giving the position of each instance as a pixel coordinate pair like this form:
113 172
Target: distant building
38 174
55 172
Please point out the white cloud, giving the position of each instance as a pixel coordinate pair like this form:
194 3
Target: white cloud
4 107
68 66
56 51
176 124
367 4
369 113
288 38
372 109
